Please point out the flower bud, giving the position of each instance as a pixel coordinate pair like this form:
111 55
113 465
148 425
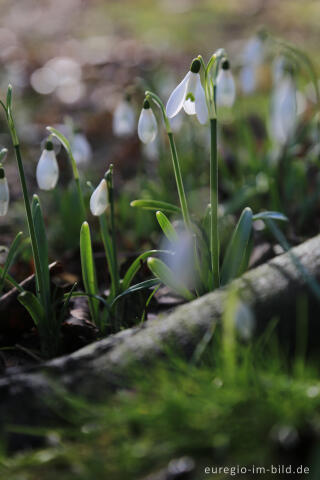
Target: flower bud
123 123
47 168
147 126
99 199
4 192
226 88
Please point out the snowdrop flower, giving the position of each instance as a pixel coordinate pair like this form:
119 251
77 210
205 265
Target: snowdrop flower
283 110
123 123
190 95
81 149
226 88
248 78
47 169
99 199
147 125
253 53
4 192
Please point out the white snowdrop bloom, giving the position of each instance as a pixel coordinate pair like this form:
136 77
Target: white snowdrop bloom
226 87
151 150
4 193
147 125
283 110
47 169
253 52
278 69
99 199
81 149
190 95
248 78
123 123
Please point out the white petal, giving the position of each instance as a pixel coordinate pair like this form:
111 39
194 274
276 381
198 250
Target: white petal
4 196
81 149
123 123
253 53
189 104
189 107
47 170
178 97
248 76
99 199
284 110
147 126
201 104
226 89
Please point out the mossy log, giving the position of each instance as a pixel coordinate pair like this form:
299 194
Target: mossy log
32 396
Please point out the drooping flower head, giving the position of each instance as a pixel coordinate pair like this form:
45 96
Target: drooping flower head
81 149
47 169
226 88
147 125
99 199
124 118
190 95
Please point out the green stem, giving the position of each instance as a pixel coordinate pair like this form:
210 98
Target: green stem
109 179
214 232
108 247
179 182
175 160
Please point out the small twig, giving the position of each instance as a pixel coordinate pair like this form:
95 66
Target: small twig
29 352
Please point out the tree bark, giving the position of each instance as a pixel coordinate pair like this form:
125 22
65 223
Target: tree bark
34 395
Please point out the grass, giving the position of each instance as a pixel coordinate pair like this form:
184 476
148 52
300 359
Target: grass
266 413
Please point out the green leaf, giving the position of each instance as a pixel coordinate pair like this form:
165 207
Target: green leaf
88 270
270 216
66 144
236 250
155 205
33 306
9 97
42 242
166 275
136 288
10 258
136 265
167 227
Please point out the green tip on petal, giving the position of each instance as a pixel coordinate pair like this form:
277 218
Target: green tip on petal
195 65
49 145
146 104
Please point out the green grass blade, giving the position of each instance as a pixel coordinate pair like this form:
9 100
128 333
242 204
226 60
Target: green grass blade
167 227
270 216
41 236
10 258
166 275
33 306
136 288
155 205
88 270
236 249
136 265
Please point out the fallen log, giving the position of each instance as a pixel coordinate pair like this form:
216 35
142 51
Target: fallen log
270 290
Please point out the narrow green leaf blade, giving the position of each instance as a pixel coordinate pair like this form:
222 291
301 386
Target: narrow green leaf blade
270 216
167 227
42 242
33 306
136 288
155 205
236 250
136 265
88 270
166 275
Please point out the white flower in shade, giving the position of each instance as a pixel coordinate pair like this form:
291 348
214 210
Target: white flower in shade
190 95
124 121
253 52
47 168
4 193
226 87
283 110
81 149
147 125
99 199
248 78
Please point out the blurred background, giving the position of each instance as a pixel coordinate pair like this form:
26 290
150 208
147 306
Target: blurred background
72 63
